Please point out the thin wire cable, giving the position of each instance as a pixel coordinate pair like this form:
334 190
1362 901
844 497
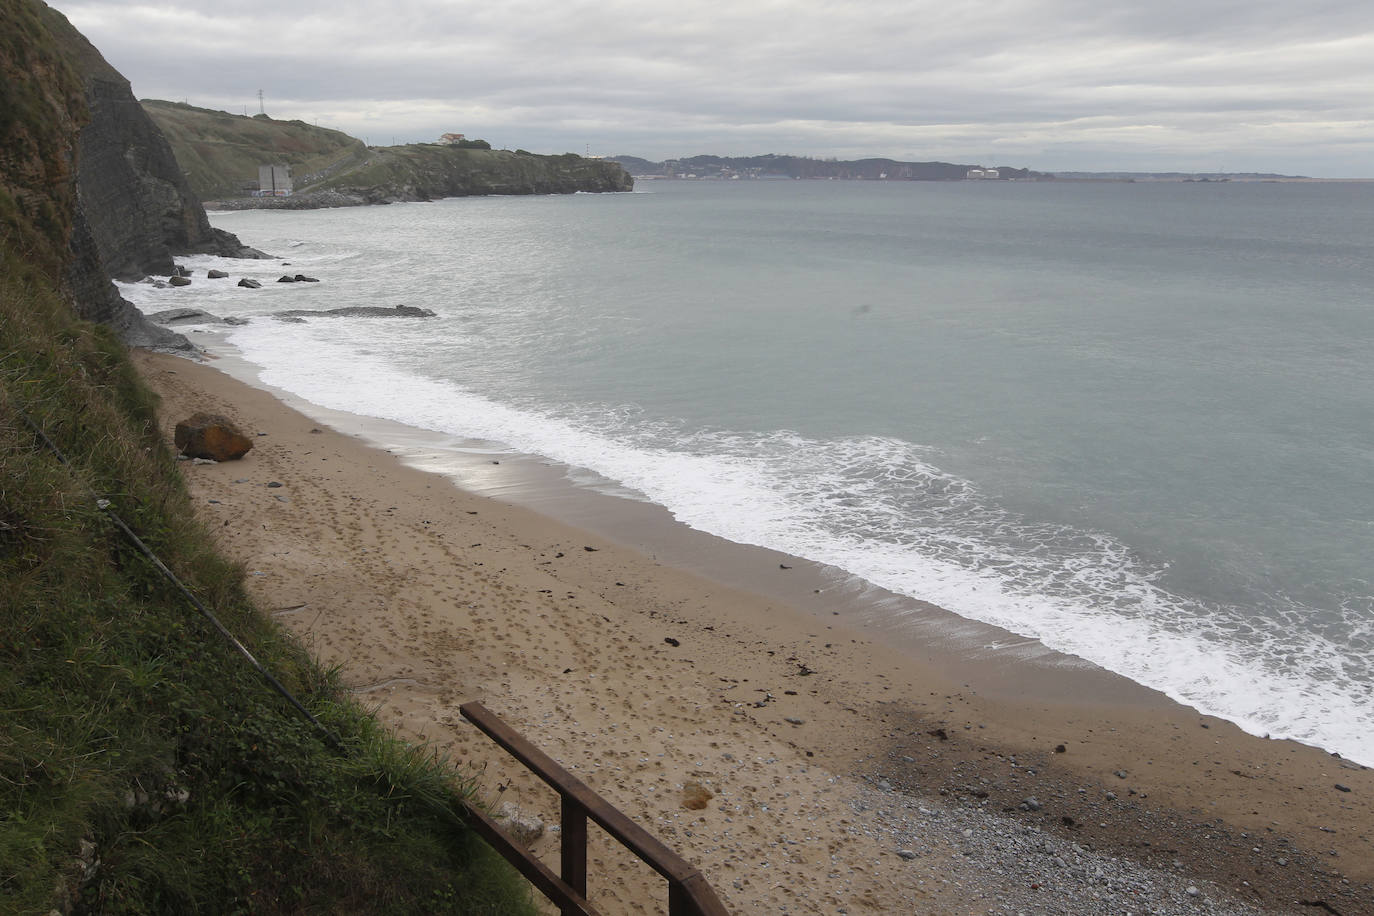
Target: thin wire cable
105 506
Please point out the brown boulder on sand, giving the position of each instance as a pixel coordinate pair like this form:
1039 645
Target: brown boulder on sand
208 435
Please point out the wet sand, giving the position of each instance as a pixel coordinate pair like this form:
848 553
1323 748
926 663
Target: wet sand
655 663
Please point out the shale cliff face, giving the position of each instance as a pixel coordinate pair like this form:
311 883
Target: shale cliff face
88 187
42 224
136 202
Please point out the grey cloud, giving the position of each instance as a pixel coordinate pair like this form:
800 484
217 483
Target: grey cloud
1032 78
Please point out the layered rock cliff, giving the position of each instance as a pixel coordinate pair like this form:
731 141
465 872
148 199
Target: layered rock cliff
88 187
137 204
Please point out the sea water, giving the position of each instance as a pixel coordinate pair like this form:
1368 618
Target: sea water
1132 421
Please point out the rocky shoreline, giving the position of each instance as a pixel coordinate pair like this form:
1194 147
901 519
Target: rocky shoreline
311 200
190 316
426 171
368 197
998 864
1071 840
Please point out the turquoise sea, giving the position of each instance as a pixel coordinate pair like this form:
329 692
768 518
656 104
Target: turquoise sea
1133 421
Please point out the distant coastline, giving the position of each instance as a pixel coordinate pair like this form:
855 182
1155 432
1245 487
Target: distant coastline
773 166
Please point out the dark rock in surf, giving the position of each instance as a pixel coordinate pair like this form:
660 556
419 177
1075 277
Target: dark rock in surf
358 311
183 316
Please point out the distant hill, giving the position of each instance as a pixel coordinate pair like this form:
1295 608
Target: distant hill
220 152
428 171
775 166
1176 176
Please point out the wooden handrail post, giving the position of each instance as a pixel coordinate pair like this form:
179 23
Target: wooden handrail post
678 902
689 894
693 896
573 845
570 902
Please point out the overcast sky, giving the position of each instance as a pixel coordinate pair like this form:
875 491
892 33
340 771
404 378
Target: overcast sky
1148 85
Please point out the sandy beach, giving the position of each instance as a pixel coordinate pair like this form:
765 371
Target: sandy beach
843 770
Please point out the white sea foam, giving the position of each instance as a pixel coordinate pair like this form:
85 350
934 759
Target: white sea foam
877 508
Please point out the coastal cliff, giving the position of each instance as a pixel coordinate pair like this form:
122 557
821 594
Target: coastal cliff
43 218
138 205
88 188
42 107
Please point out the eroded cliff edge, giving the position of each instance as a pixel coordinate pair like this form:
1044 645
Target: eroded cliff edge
134 210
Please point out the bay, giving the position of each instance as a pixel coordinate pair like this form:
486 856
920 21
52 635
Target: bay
1134 421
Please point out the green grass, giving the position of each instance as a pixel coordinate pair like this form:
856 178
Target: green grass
219 151
127 725
40 99
433 170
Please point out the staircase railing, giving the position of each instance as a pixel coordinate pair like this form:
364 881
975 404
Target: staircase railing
689 894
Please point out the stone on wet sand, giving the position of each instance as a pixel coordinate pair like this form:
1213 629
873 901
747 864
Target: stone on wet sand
207 435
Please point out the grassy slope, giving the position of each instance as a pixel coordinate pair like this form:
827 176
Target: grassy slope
144 768
438 171
218 151
118 698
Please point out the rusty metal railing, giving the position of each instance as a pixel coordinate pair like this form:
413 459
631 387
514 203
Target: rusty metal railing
689 894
